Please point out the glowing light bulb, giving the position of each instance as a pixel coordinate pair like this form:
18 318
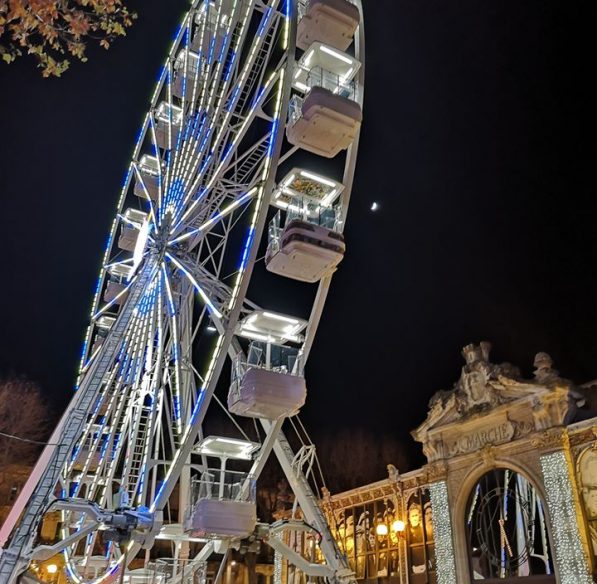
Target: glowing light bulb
398 526
381 529
52 568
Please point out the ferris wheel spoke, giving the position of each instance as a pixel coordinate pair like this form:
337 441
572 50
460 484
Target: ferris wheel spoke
227 158
214 311
214 80
233 143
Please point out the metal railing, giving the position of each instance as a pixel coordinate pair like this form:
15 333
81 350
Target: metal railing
307 210
295 109
319 77
223 485
185 571
268 356
304 210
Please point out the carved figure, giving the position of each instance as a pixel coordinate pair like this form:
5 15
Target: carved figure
393 473
544 373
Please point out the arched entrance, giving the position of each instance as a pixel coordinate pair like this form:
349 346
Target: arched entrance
506 531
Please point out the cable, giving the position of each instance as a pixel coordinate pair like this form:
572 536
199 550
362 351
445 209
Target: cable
321 476
219 402
13 437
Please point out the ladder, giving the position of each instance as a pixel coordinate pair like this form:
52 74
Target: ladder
47 472
137 450
256 71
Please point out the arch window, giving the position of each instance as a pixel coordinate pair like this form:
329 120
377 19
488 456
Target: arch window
507 530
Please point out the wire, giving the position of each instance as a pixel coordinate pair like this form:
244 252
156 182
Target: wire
13 437
219 402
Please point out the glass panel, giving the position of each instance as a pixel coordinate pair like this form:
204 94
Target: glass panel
370 538
318 77
274 233
309 211
295 109
223 485
269 356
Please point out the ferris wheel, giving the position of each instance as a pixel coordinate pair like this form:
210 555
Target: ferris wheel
254 122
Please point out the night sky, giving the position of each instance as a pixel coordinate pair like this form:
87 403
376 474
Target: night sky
476 142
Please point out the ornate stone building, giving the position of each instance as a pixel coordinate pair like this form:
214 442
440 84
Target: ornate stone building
509 493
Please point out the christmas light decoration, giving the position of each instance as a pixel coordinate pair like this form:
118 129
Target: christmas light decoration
442 527
569 553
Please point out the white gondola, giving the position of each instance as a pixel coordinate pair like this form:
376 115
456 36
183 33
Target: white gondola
309 246
328 118
332 22
168 121
149 169
305 252
130 229
223 501
323 123
269 383
186 70
128 238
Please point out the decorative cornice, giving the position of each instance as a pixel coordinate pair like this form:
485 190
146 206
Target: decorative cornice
552 439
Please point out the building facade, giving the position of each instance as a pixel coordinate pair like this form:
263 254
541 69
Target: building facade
509 492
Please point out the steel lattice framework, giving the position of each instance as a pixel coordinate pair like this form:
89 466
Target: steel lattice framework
166 309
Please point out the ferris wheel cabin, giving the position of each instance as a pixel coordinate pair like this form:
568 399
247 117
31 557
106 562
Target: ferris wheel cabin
131 227
223 501
324 115
306 244
168 121
332 22
149 169
118 275
268 383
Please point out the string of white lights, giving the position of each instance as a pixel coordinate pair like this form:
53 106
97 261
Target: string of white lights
442 526
569 554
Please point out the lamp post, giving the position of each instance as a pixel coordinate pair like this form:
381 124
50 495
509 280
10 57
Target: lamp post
398 528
